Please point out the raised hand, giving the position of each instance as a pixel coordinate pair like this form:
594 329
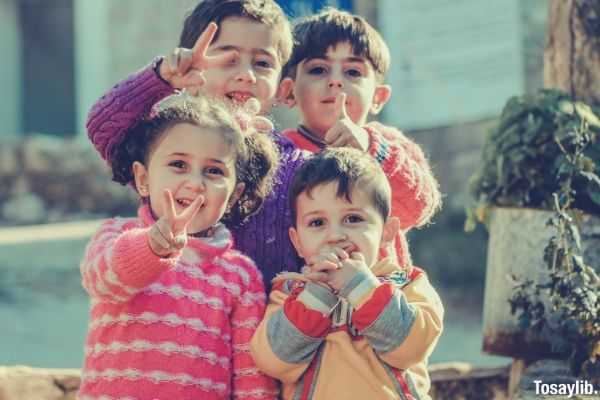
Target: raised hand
169 234
345 133
249 118
183 67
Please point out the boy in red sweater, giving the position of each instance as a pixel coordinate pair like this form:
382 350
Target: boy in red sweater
335 77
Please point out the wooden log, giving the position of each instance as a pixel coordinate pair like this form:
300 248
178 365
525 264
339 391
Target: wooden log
572 52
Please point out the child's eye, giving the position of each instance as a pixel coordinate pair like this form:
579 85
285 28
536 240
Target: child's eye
214 171
263 64
315 223
178 164
317 70
354 73
354 219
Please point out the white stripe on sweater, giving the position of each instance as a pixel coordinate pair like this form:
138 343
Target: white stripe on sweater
247 323
196 296
213 280
156 377
167 348
147 318
247 372
256 393
250 298
235 269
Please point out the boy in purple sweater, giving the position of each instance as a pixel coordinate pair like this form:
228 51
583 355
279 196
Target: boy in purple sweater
241 59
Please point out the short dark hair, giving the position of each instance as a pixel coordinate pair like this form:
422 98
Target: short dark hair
256 155
350 168
266 12
315 34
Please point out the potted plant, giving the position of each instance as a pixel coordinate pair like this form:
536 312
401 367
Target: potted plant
538 192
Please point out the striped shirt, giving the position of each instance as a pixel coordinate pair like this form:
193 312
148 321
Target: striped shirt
170 328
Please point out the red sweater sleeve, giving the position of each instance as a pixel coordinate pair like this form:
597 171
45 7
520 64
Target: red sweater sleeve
118 262
415 191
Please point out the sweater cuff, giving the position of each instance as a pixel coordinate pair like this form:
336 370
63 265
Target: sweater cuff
378 146
135 264
318 298
359 288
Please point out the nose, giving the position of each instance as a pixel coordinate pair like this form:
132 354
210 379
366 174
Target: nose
245 73
336 235
335 80
195 184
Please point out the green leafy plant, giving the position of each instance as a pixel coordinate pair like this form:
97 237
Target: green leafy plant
545 154
522 163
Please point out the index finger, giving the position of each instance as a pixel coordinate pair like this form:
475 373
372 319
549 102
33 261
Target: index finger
169 210
340 106
205 39
190 211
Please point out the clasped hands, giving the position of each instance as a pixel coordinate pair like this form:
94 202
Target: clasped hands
335 267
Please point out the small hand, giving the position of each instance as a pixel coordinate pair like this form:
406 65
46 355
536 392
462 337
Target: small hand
328 259
183 67
250 118
340 277
345 133
169 234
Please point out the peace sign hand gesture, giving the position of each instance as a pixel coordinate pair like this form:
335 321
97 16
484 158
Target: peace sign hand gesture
183 67
169 234
345 133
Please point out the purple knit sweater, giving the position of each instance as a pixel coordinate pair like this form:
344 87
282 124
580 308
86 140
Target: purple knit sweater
264 237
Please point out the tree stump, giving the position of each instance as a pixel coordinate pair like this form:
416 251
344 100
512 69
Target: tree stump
572 53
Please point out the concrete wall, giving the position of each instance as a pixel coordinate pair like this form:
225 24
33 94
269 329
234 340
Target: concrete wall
115 38
10 69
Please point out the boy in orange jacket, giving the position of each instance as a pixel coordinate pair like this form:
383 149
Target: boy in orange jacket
352 326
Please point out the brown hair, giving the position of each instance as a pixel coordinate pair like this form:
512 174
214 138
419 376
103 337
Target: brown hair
350 168
266 12
315 34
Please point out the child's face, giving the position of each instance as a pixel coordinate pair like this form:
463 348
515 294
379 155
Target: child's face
190 161
255 69
318 81
324 219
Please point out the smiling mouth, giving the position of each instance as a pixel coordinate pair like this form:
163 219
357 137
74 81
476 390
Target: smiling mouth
186 203
239 97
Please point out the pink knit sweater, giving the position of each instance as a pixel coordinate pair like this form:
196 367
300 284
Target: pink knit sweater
170 329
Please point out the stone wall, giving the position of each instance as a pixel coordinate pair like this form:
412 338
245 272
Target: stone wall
49 179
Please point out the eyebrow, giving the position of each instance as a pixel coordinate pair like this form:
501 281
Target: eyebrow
179 154
360 60
229 47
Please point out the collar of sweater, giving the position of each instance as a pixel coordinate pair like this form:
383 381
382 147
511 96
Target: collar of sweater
215 244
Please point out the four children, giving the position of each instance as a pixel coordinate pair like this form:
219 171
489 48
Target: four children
384 310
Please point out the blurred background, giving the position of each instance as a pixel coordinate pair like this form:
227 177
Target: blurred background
454 65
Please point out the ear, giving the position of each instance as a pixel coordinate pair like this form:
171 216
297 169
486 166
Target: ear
140 175
295 240
390 229
285 92
237 193
380 97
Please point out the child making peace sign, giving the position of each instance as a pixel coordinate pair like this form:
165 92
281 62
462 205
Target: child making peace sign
173 304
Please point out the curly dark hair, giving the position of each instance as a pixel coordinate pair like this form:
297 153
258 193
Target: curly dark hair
256 155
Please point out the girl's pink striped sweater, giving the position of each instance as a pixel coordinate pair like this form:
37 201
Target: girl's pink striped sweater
170 328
